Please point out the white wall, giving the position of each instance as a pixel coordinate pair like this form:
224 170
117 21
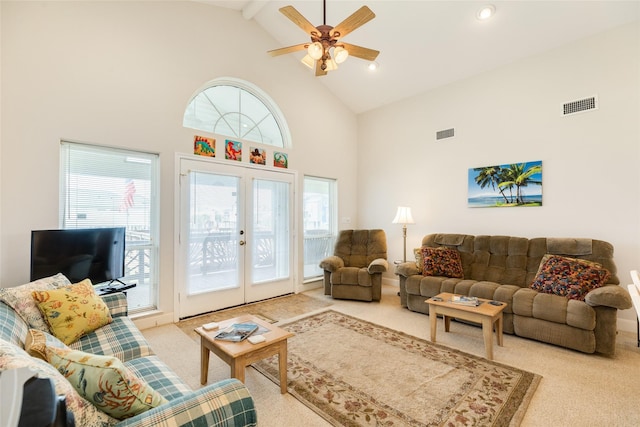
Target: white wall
121 74
591 178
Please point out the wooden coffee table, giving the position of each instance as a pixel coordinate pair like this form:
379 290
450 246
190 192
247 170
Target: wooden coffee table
239 355
486 314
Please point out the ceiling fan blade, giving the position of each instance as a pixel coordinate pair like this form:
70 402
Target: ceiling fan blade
285 50
320 71
361 52
297 18
357 19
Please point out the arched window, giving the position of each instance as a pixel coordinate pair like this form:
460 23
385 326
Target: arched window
239 110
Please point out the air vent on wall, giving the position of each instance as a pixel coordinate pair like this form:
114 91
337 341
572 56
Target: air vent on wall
442 134
580 106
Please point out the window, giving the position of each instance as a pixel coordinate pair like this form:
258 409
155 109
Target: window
238 110
320 224
108 187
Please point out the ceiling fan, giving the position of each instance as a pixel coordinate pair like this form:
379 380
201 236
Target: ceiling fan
325 37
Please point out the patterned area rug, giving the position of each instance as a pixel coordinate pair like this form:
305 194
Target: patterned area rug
272 310
356 373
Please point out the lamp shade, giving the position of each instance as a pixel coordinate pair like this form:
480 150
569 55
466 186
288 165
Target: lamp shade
308 61
403 216
315 50
341 54
331 65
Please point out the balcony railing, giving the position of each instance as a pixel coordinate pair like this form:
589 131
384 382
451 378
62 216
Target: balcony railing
317 246
211 253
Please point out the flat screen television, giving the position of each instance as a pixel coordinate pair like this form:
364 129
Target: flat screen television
89 253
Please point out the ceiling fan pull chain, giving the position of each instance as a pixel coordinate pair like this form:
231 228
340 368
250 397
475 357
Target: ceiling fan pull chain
324 12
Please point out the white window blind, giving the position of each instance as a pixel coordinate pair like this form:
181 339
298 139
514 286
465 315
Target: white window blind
108 187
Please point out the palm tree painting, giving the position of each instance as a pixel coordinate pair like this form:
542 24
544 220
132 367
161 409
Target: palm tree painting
516 184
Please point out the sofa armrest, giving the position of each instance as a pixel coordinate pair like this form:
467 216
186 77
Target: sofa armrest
610 296
407 269
378 265
224 404
117 303
332 263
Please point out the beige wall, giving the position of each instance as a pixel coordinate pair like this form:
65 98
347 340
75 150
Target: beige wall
512 114
121 74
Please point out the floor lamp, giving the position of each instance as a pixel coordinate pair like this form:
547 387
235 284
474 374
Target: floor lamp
403 216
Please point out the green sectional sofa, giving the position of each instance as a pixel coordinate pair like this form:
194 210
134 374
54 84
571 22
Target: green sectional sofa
503 268
226 403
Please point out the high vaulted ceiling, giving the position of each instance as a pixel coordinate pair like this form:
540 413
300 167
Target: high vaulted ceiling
428 44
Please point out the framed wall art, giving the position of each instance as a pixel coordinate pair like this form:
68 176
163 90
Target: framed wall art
233 150
280 160
203 146
509 185
258 156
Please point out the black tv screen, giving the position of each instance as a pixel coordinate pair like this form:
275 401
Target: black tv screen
93 253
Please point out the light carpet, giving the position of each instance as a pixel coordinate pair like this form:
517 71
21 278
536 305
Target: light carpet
272 310
356 373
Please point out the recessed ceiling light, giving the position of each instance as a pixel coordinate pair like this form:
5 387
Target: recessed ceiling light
486 12
373 66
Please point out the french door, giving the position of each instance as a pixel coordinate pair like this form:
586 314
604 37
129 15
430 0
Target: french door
236 235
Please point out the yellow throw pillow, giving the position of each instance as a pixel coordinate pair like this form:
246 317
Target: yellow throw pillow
72 311
105 382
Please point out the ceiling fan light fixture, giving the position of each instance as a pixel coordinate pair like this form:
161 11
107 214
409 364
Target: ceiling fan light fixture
330 63
308 61
486 12
325 38
340 54
315 50
373 66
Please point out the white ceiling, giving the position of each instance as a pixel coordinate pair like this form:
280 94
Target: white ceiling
426 44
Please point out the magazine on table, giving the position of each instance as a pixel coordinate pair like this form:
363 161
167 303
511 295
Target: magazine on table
463 300
261 330
237 332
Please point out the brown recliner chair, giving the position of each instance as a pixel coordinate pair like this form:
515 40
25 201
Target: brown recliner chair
355 269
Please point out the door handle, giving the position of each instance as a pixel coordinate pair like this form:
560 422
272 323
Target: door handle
242 242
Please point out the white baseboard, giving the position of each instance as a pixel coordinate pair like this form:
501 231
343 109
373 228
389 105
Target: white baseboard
627 325
151 320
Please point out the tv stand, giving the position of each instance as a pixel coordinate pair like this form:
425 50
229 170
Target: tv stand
112 288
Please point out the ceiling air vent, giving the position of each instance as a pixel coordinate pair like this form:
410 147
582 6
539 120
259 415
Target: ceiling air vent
580 106
442 134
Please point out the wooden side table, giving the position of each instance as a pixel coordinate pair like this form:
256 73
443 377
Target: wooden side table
239 355
486 314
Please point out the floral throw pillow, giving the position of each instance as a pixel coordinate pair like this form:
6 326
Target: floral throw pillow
105 382
84 413
21 300
442 262
569 277
72 311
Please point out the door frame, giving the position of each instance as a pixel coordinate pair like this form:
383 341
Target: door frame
177 218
